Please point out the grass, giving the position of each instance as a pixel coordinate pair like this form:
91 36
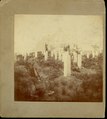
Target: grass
82 86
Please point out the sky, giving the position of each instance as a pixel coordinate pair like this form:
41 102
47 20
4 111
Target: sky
31 32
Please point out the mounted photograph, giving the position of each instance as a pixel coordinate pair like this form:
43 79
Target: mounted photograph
58 58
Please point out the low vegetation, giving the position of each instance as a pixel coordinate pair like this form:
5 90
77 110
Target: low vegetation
83 85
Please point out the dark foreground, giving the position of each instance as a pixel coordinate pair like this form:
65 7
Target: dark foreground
84 85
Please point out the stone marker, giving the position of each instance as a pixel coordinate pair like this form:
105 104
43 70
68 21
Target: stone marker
51 53
55 55
88 55
79 63
46 55
35 54
75 57
96 53
93 54
60 56
67 64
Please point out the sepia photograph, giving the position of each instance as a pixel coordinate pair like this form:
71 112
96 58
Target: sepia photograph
58 58
52 60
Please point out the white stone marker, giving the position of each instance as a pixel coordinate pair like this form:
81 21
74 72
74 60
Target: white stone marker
60 57
51 53
79 63
96 53
35 54
46 55
67 64
63 57
55 55
88 54
26 55
75 56
93 54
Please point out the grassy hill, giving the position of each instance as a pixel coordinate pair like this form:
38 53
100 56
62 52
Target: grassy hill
84 85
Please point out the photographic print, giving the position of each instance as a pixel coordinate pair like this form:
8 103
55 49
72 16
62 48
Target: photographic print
58 58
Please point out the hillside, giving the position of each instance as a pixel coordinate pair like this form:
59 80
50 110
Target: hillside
84 85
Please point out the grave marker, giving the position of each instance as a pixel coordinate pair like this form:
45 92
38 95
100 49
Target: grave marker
67 64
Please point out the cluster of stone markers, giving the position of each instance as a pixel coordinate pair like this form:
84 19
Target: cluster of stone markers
65 55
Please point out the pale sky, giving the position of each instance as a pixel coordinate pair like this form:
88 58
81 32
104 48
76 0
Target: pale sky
32 31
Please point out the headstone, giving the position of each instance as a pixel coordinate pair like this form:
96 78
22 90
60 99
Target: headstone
79 63
60 56
75 57
55 55
46 55
67 64
36 54
93 54
88 54
51 53
96 53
